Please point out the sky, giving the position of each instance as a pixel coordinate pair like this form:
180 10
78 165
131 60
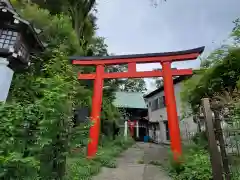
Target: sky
137 26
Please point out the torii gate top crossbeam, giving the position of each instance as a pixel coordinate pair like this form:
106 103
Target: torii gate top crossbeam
139 58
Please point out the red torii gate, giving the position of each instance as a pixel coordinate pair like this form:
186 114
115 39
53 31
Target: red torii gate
167 73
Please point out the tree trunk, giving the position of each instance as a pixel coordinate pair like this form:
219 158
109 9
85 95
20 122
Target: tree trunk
76 25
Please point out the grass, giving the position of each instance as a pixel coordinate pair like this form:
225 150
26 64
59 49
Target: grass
156 163
81 168
196 165
140 161
235 166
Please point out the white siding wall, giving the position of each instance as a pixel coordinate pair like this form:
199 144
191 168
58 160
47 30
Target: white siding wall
150 131
187 126
158 139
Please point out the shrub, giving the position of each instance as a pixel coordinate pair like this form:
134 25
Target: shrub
195 166
17 159
14 166
200 139
81 168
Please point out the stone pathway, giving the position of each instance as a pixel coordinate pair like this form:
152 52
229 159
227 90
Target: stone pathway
129 167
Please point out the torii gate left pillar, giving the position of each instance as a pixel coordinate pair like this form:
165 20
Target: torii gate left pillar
167 73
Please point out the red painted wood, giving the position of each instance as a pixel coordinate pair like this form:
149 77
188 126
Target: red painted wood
96 110
173 123
138 60
141 74
132 125
132 67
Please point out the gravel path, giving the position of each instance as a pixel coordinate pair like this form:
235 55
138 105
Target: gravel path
129 167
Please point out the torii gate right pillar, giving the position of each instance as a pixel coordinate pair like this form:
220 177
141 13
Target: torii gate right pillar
171 110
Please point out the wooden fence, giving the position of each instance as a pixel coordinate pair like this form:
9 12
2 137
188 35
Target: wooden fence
223 143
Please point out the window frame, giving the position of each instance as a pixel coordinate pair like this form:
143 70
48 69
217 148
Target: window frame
155 104
8 35
162 103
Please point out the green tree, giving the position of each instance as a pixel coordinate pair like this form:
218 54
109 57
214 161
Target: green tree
158 81
130 84
37 118
81 13
133 85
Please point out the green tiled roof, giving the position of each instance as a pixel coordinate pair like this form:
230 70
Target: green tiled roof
129 100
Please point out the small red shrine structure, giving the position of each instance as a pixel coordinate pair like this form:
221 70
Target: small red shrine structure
165 59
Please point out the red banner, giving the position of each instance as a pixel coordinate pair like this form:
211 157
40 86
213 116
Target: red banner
131 125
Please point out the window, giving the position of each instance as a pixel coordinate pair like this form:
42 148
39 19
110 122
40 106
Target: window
166 130
158 103
162 102
155 104
8 39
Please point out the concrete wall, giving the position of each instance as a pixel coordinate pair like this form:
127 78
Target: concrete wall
187 126
6 75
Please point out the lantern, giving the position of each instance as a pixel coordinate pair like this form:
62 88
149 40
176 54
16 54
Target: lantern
18 41
18 38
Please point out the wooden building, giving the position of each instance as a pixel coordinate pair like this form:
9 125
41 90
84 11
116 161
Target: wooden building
134 109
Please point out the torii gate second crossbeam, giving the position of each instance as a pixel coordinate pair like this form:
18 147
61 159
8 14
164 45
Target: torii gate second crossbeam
165 59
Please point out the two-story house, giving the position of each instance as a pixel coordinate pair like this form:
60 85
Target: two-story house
158 127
